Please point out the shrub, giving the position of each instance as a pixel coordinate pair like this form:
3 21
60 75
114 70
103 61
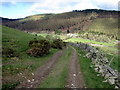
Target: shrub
39 47
8 52
32 42
58 44
58 32
49 37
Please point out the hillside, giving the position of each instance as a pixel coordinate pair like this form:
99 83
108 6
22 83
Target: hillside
15 59
105 25
103 29
74 21
77 49
15 39
63 67
34 17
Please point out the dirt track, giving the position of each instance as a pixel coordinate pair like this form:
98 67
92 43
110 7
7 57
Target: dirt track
75 78
41 72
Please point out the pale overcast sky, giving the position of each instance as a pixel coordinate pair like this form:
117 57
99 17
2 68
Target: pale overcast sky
23 8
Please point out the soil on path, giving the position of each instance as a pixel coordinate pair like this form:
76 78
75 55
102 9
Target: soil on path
42 72
75 78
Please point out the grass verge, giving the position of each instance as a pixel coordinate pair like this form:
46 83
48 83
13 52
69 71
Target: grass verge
113 56
90 76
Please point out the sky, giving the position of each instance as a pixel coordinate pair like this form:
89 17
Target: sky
21 8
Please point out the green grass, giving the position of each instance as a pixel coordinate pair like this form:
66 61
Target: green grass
62 36
109 50
42 34
115 64
112 54
90 76
10 85
57 78
25 64
88 41
105 25
53 35
16 38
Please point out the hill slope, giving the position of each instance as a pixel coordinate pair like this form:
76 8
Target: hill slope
21 62
15 38
105 25
34 17
73 21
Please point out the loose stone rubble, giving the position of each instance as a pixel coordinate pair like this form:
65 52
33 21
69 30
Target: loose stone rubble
101 64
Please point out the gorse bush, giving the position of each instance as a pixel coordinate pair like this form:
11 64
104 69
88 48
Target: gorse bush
58 44
39 43
8 52
39 47
32 42
42 47
35 51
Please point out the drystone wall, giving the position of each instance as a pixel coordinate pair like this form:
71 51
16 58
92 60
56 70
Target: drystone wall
101 64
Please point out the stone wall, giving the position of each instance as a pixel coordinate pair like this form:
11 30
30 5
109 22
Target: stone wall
101 63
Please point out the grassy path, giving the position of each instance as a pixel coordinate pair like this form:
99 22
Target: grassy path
58 76
66 73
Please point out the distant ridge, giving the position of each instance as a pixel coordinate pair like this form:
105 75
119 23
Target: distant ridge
73 21
5 20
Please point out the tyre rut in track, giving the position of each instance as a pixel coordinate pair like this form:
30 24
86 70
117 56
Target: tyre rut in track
75 78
